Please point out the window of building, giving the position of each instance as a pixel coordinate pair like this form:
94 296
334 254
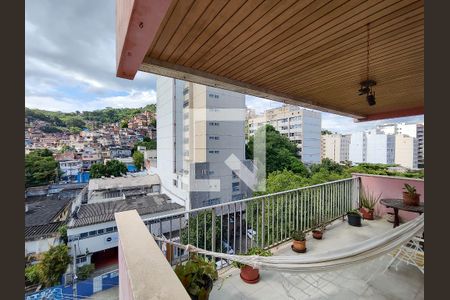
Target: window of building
185 91
109 229
186 104
213 151
234 175
84 235
81 260
92 233
212 201
175 182
101 231
235 186
211 172
213 123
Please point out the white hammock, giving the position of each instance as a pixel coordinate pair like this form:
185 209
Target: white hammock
330 260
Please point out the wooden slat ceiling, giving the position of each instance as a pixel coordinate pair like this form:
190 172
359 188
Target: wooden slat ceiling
311 52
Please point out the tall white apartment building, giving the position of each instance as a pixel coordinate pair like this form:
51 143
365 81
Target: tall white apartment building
414 130
191 150
301 126
335 147
380 148
358 148
406 151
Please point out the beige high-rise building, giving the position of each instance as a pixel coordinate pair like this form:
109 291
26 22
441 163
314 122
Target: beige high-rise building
192 148
301 126
406 151
335 147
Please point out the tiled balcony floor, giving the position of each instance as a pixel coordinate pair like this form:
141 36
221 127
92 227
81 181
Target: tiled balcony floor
407 282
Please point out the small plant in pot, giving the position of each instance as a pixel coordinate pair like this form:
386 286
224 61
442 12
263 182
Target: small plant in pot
299 241
410 195
354 218
248 273
367 202
317 233
197 276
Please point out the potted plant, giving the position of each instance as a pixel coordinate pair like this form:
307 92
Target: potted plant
367 202
248 273
317 233
354 217
299 241
197 276
410 195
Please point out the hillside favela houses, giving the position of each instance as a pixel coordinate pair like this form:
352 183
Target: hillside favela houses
338 215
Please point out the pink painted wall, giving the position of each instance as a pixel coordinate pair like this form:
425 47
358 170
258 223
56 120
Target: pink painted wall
390 187
125 289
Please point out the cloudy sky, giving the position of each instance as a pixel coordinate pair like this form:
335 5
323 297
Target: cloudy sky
70 63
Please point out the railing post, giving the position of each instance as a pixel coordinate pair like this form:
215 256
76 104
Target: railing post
262 222
213 230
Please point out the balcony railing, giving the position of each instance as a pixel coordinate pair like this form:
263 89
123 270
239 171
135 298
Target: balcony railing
263 221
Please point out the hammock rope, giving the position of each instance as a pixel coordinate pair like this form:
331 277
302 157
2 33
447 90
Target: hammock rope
329 260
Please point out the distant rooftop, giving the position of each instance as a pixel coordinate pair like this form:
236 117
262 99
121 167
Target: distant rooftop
100 212
44 210
129 181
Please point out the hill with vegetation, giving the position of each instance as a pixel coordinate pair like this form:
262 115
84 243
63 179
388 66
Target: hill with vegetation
76 121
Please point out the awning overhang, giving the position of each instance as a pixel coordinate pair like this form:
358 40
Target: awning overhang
308 53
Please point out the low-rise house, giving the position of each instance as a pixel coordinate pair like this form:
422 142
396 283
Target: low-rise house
92 231
70 169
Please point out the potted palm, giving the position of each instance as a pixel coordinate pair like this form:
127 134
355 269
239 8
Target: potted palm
354 218
299 241
197 276
367 202
248 273
410 195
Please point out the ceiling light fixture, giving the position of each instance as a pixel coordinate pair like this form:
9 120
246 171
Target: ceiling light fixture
366 85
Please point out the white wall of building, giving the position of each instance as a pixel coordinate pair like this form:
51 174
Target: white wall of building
40 245
380 149
358 148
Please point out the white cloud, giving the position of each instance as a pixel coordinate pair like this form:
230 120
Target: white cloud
135 99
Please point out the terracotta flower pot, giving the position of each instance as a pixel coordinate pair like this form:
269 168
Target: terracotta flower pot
366 214
299 245
317 234
411 200
249 274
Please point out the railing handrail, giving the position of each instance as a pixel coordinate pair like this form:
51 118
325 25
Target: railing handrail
189 211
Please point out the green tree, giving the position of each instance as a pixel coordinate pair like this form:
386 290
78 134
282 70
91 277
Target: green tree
325 132
190 234
138 159
97 170
41 168
328 165
54 264
281 153
115 168
63 233
279 181
148 143
124 124
111 168
74 122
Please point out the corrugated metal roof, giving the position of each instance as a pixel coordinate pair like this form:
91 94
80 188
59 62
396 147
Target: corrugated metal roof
94 213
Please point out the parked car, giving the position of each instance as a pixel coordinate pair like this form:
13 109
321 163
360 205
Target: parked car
227 248
251 234
221 263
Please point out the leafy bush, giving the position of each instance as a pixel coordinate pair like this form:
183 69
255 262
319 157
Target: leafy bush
54 264
33 273
197 276
298 235
253 251
85 271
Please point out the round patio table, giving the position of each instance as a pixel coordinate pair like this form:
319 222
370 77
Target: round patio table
397 204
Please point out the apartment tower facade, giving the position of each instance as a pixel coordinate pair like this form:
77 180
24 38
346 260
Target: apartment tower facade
301 126
192 149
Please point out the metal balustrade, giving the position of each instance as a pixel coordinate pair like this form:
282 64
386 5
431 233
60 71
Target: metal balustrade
263 221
